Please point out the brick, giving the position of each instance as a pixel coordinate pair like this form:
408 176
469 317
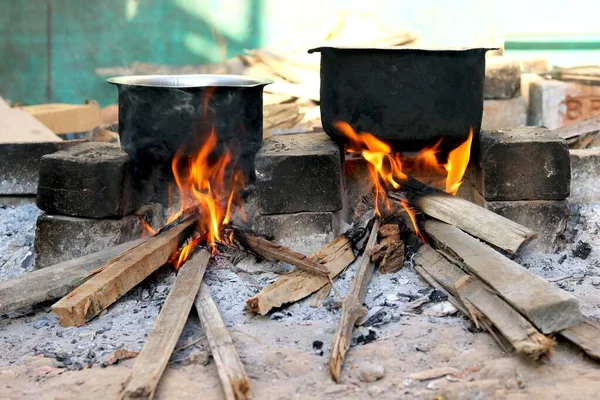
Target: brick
585 175
547 217
20 163
501 114
299 173
529 163
91 180
303 232
61 238
555 103
502 78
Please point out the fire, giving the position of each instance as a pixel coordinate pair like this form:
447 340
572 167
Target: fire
386 167
208 181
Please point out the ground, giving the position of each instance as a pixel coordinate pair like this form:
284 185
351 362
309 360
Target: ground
282 352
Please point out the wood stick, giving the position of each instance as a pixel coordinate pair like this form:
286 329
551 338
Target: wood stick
546 306
236 384
484 307
152 360
471 218
586 336
120 275
584 127
273 252
352 307
56 281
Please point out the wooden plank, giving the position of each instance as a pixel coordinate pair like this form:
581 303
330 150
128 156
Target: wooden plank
236 384
53 282
546 306
152 360
352 307
584 127
483 306
274 252
586 336
471 218
120 275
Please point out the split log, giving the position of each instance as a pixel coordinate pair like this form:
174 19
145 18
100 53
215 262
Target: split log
471 218
352 307
388 253
586 336
152 360
273 252
56 281
236 384
483 306
546 306
589 126
120 275
296 285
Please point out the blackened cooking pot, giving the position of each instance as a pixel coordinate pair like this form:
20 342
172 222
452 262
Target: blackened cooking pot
162 114
409 97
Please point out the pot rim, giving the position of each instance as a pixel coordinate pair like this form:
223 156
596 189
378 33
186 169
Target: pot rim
401 49
189 81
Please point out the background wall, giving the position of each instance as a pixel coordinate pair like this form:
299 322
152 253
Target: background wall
50 48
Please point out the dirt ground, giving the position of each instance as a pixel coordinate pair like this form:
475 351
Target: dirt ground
286 353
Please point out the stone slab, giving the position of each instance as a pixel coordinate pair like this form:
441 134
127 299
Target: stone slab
547 217
20 163
62 238
502 78
585 175
554 103
501 114
91 180
529 163
299 173
303 232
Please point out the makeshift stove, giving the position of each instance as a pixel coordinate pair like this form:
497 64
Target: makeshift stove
320 205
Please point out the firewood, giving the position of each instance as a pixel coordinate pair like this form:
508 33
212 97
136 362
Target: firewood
546 306
589 126
388 253
234 380
152 360
586 336
319 298
296 285
120 275
352 307
480 301
471 218
56 281
273 252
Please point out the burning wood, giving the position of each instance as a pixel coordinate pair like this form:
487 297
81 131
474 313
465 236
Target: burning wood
352 307
118 276
389 251
151 362
273 252
236 384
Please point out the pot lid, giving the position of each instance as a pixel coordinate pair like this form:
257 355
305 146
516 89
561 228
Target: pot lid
189 81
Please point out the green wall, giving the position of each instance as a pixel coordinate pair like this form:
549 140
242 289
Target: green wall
49 49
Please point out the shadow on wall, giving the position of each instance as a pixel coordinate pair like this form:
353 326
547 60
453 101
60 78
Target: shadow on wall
50 48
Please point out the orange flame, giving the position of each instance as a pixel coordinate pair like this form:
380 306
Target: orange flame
413 218
147 229
385 167
203 183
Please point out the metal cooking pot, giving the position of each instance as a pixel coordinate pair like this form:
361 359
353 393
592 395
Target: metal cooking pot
161 114
408 97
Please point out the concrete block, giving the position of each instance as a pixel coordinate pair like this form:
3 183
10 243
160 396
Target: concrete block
585 175
502 78
61 238
299 173
555 103
529 163
547 217
303 232
20 163
91 180
501 114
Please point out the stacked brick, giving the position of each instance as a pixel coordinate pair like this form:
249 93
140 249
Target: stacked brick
299 187
503 105
89 193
